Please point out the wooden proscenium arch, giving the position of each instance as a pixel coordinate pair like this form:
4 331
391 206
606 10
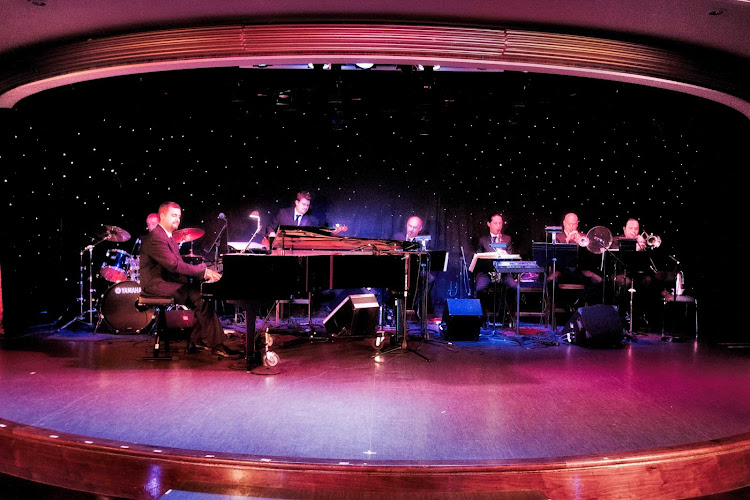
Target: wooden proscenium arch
703 74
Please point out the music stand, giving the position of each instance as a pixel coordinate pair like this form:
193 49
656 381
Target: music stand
630 259
547 256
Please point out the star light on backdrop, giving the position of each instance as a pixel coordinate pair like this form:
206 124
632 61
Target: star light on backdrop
374 147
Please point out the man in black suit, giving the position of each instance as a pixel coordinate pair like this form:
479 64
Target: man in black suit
294 216
163 273
413 228
495 224
482 280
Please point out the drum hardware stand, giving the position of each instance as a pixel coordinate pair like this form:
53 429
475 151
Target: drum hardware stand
81 318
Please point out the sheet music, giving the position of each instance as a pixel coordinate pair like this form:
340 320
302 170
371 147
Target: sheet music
492 256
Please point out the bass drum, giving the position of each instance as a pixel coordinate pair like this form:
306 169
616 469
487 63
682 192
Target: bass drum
118 308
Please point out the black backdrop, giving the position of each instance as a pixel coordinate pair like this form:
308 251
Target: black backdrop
374 147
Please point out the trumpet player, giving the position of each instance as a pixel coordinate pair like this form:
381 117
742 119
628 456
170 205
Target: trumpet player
580 275
631 230
570 232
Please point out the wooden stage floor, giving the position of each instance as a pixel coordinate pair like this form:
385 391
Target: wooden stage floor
477 417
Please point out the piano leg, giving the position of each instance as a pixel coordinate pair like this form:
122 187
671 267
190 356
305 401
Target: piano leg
253 355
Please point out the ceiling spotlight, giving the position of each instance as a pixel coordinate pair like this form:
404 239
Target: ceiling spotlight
364 65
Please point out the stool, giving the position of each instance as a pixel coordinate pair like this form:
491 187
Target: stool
161 338
679 318
533 288
567 298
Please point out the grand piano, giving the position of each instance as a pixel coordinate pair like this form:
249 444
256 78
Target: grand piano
308 260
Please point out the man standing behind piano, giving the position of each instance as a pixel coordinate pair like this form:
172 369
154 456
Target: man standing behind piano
163 273
294 216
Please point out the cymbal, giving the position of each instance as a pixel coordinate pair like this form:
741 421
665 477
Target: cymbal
114 233
187 234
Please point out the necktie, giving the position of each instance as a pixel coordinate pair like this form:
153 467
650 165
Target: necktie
494 239
297 218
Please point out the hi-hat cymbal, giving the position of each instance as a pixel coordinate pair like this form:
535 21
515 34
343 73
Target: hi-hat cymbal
187 234
114 233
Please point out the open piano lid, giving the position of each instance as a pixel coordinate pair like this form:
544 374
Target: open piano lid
295 239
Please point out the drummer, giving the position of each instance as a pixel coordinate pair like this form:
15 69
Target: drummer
152 220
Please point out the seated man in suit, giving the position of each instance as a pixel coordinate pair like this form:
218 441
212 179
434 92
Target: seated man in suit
413 228
294 216
483 280
578 275
163 273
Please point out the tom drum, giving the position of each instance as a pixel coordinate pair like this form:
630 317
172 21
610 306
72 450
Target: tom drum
116 264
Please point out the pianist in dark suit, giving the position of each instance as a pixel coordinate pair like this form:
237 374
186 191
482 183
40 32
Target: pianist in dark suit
294 216
163 273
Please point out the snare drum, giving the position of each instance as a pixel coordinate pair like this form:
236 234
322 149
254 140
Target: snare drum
117 308
116 263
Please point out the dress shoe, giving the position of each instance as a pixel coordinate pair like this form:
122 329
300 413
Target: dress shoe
225 352
191 348
201 345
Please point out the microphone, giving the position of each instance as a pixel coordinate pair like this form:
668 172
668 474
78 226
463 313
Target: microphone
222 216
255 215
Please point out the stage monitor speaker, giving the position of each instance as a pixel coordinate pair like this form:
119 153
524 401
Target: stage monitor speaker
355 315
463 319
595 326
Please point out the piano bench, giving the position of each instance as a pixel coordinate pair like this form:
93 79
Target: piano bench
161 338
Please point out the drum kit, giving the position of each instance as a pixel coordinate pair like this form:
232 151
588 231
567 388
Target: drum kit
116 306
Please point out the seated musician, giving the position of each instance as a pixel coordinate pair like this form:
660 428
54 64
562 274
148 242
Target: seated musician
413 228
580 275
483 280
294 216
638 273
164 274
152 220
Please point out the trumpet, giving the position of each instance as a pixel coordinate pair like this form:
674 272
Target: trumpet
651 240
580 238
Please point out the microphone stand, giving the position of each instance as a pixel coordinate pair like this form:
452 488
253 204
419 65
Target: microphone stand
216 243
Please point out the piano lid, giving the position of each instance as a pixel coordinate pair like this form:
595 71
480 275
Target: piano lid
294 240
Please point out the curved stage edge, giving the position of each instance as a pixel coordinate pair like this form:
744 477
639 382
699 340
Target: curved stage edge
130 470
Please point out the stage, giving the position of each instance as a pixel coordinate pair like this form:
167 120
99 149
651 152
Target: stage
502 416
